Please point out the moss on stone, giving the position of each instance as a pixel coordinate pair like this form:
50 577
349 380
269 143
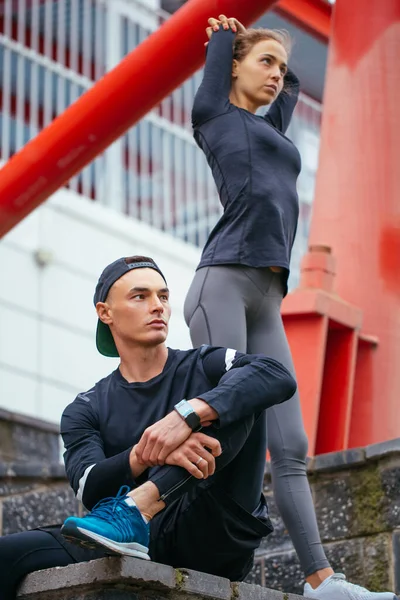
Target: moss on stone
376 560
179 578
367 498
377 579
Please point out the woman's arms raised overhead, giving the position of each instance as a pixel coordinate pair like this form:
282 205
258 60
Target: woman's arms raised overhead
281 111
212 97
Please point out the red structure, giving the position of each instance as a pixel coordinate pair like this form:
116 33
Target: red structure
312 15
343 322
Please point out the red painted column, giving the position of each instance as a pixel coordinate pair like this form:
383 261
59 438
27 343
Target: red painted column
357 205
314 16
148 74
324 333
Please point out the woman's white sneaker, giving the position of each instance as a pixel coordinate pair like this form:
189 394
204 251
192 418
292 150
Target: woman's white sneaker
336 587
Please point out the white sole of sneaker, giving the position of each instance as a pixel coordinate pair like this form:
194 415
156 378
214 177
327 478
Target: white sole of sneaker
131 549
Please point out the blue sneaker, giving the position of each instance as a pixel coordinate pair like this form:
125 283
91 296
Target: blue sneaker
115 524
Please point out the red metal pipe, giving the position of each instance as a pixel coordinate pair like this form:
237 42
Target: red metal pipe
314 16
148 74
357 209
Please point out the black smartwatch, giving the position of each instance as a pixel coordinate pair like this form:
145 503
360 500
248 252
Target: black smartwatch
191 418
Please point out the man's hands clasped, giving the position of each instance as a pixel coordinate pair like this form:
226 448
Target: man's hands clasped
193 455
171 441
162 438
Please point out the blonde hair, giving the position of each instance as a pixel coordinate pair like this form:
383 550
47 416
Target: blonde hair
245 41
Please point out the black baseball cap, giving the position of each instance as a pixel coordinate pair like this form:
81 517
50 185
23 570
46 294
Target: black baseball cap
104 339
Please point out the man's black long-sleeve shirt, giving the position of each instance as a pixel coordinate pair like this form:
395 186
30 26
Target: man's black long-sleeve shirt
102 425
254 165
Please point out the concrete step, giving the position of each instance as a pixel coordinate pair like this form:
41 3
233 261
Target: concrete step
127 578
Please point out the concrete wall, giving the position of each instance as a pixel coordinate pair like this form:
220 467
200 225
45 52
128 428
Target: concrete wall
133 579
49 266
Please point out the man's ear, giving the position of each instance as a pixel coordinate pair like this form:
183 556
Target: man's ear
235 68
103 312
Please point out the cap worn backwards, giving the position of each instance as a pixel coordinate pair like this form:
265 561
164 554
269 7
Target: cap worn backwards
104 339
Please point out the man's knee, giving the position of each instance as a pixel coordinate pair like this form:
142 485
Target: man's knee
232 435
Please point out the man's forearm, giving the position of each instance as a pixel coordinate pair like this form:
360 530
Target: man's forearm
249 388
103 479
204 410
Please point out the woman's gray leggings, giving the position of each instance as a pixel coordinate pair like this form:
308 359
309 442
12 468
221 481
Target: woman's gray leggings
239 307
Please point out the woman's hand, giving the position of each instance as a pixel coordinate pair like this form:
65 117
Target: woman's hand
231 23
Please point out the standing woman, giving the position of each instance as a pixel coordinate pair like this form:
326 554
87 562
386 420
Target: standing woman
235 297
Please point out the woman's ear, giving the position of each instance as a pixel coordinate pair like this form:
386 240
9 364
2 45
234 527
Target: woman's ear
235 68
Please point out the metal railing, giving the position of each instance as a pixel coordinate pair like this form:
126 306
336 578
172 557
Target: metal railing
52 51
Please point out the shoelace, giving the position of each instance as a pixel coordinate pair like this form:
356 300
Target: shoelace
107 508
362 593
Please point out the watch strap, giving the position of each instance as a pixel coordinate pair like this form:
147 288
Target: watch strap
188 414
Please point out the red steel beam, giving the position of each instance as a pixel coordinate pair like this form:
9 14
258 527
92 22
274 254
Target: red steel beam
123 96
314 16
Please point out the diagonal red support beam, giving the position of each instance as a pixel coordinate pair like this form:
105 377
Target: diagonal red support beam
153 70
314 16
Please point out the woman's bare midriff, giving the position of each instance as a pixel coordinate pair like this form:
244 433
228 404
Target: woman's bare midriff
276 269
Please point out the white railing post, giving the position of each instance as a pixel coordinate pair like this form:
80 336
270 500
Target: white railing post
113 194
6 89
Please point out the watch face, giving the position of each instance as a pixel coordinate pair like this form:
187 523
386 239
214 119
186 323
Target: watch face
193 420
188 414
187 410
184 408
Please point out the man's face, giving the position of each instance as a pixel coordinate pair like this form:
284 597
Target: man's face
137 308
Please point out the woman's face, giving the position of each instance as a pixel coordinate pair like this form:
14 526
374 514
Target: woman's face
259 76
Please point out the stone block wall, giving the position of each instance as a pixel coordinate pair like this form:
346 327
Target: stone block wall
356 494
24 439
357 499
33 488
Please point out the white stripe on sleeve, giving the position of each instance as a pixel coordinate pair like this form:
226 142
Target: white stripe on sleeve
229 358
82 482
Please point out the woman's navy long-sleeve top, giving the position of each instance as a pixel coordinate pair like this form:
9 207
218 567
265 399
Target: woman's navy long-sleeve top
254 165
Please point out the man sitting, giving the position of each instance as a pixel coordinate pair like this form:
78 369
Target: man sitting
161 450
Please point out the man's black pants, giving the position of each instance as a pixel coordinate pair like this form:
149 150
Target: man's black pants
211 525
